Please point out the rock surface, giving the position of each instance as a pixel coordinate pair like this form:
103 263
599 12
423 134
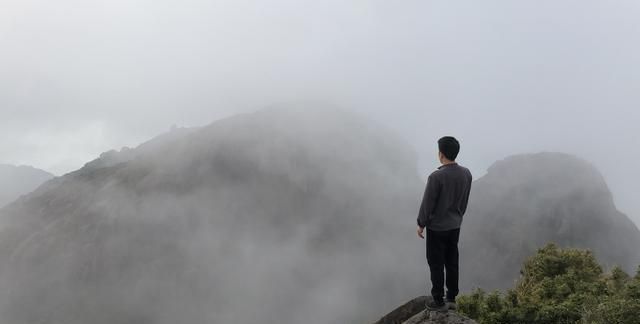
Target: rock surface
413 312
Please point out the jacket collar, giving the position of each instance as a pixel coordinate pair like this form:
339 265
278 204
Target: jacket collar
449 164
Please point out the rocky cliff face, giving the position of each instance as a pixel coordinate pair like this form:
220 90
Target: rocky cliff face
19 180
527 200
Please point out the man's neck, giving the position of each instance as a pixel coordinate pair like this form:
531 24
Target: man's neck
446 164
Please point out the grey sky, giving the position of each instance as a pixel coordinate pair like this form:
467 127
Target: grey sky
79 77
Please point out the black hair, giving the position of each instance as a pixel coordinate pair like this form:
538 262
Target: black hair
449 146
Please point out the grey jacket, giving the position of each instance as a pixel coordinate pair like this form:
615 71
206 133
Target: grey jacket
445 198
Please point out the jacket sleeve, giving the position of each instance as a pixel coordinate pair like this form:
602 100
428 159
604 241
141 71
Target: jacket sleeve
429 200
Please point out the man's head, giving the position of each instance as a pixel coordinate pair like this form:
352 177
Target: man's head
448 147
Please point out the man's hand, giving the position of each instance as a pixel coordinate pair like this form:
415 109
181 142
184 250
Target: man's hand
420 229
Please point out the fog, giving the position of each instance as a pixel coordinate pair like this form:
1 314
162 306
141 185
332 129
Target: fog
78 78
81 77
220 225
17 181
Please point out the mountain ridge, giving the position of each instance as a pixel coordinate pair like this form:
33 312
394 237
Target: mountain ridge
16 181
245 188
526 200
313 214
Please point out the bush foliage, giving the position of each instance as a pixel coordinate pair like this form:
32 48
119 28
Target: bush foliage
560 286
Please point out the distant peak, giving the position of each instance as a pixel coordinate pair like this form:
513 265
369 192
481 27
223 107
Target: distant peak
26 168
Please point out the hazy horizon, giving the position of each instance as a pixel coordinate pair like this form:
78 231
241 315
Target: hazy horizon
79 78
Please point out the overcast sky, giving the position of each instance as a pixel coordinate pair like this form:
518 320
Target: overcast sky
79 77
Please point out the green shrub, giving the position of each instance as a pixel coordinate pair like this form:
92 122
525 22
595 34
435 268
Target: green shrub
560 286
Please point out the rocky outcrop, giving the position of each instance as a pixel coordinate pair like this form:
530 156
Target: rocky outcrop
413 312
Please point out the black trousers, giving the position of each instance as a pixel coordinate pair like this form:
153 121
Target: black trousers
442 254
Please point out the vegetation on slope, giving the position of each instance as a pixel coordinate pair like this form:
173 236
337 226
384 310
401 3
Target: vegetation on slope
560 286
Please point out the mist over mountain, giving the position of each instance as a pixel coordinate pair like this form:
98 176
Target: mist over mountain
277 216
19 180
280 216
526 200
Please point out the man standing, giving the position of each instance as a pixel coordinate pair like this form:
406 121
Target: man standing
444 202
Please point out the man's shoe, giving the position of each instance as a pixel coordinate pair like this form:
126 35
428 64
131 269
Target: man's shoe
438 306
451 304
